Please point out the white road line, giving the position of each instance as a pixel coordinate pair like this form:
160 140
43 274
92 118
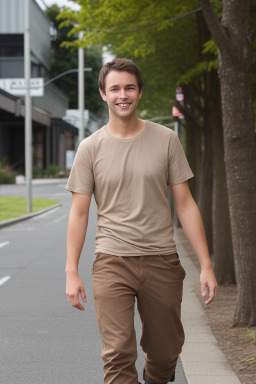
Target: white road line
29 229
4 279
59 218
4 244
45 214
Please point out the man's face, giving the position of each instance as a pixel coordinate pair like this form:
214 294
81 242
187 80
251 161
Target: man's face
122 94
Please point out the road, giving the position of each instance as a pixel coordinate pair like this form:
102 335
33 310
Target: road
44 340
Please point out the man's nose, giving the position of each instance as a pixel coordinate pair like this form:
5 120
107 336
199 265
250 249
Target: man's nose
122 93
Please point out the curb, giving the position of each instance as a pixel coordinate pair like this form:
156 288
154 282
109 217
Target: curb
7 223
49 181
44 181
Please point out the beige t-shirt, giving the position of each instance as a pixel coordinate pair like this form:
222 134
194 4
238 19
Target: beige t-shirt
129 179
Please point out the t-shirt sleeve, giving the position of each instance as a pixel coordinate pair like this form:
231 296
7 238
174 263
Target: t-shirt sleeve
179 169
81 179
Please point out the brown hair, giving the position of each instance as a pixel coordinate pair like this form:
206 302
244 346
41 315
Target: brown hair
119 65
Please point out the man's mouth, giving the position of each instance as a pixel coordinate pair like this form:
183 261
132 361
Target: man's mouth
124 105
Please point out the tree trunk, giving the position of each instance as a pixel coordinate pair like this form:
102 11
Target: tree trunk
240 160
223 258
193 153
206 186
235 69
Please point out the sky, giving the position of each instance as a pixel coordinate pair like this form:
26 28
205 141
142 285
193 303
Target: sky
60 3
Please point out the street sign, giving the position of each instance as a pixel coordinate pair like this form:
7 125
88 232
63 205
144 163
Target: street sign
180 98
176 112
17 87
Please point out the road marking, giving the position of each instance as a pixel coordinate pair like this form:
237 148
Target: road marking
4 279
28 229
45 214
4 244
59 218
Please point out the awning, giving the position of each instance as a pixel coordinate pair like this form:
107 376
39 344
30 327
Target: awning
64 125
12 109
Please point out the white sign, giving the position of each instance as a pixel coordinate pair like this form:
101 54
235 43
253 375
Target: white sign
17 87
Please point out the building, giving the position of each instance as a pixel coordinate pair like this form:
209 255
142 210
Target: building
52 136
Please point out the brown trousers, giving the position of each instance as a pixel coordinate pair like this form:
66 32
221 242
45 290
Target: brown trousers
156 282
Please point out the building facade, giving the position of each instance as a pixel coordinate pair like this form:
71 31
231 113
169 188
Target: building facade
52 136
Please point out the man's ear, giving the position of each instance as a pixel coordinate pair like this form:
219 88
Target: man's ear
140 94
103 96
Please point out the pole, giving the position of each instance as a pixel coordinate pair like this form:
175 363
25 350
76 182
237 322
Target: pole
176 128
28 125
81 90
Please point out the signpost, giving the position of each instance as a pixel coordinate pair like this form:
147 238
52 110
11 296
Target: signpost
18 87
28 108
81 90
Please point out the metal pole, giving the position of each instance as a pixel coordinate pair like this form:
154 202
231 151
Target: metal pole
28 125
176 128
81 90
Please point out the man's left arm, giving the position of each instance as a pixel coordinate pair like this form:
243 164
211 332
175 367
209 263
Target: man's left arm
192 225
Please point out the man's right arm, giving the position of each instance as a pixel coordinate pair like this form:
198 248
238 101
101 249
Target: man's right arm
77 227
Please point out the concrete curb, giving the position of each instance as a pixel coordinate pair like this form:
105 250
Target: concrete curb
45 181
6 223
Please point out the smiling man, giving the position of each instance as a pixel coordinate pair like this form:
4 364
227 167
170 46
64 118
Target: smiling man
128 165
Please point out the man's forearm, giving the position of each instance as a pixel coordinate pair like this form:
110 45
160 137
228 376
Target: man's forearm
77 228
192 225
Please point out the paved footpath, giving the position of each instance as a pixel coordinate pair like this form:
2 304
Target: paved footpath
202 359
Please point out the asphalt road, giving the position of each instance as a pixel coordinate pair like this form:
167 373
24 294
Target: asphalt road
44 340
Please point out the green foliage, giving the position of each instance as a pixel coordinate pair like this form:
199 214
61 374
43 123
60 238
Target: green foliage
198 70
252 335
146 32
210 47
50 171
65 57
7 175
166 49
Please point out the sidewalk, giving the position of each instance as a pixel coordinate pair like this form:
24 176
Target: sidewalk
202 359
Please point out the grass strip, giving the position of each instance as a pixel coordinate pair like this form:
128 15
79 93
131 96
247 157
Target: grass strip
12 207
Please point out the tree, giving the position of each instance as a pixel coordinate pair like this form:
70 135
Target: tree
65 58
126 28
235 70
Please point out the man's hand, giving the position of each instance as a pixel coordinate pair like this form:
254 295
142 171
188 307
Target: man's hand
208 284
74 286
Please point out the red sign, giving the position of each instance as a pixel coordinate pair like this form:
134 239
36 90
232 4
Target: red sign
176 112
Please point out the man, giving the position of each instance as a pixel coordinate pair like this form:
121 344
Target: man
128 165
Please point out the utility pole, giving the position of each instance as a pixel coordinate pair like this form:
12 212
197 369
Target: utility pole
28 115
81 90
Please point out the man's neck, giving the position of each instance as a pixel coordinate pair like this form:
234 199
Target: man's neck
125 128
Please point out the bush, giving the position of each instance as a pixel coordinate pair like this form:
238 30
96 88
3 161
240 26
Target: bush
37 173
50 171
6 176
